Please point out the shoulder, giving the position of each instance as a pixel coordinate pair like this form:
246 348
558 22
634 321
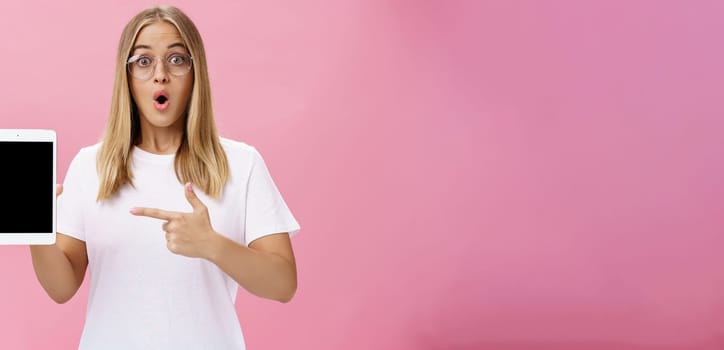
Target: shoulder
230 145
88 154
83 165
238 151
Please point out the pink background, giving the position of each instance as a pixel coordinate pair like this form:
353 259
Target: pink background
467 174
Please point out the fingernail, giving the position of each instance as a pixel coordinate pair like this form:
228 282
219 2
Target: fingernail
133 211
189 187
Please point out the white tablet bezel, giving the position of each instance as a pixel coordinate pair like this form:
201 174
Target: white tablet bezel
30 135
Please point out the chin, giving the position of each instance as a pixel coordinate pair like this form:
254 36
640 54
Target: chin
162 121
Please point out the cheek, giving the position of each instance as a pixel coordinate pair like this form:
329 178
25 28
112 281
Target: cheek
136 90
186 89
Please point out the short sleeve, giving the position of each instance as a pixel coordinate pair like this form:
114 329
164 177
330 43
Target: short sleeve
266 211
70 208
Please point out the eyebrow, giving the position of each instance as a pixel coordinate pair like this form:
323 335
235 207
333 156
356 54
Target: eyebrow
181 45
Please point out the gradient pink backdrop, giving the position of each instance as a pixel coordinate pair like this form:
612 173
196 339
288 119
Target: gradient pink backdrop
468 174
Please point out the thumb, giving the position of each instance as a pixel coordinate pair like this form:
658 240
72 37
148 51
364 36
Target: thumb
58 189
192 198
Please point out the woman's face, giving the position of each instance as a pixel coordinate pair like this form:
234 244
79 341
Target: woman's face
159 56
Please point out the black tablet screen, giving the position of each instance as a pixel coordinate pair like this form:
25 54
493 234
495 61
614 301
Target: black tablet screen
26 182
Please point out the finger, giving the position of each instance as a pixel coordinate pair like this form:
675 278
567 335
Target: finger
172 247
192 198
58 189
153 213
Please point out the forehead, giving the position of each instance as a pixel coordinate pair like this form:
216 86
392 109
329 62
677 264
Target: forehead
158 35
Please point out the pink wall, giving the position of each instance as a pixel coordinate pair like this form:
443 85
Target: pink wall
468 175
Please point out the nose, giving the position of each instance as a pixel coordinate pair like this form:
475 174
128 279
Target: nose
160 75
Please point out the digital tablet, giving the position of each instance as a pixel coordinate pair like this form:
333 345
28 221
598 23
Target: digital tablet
27 185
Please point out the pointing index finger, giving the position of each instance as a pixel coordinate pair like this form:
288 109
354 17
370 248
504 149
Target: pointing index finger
152 213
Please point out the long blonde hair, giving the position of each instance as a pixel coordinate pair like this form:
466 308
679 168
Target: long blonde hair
200 159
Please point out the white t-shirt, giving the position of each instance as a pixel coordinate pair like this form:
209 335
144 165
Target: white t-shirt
141 295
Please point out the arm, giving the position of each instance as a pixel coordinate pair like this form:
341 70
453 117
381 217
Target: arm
60 267
266 268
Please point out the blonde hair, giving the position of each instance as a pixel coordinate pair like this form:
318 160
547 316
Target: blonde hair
200 159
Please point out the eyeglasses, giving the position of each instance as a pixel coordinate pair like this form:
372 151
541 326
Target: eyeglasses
142 66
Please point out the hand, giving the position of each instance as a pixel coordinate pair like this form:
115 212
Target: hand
58 190
188 234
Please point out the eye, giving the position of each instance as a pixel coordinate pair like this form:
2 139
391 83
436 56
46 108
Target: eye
144 61
177 59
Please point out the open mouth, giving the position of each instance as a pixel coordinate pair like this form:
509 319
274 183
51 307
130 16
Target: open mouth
160 100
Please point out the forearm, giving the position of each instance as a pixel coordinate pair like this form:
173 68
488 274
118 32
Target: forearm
54 272
263 274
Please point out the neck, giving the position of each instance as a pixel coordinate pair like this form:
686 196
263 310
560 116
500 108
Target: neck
160 140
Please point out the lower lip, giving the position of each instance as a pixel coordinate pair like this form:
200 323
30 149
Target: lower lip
160 106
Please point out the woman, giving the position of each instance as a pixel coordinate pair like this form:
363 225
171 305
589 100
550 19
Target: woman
169 217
